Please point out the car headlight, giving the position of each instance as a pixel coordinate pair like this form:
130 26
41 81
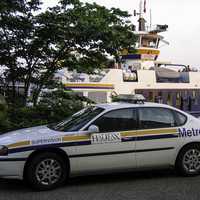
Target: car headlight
3 150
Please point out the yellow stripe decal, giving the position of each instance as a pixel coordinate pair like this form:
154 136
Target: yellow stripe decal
19 144
89 84
75 138
140 51
148 132
148 51
128 133
157 131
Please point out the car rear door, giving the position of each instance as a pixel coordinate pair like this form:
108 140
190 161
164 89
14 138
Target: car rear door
113 148
156 138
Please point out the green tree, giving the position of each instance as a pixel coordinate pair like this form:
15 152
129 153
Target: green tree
34 45
17 27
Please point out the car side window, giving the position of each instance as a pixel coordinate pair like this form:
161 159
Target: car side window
151 118
117 120
180 118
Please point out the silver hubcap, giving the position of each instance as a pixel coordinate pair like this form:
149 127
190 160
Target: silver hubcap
191 160
48 171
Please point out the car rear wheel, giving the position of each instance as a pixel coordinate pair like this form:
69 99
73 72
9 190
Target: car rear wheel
46 171
188 162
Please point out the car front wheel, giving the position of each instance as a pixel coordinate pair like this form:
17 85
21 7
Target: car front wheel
46 171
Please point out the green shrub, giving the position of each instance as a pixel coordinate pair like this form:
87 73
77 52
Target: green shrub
25 117
53 107
4 123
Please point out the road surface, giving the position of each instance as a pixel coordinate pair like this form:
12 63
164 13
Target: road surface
151 185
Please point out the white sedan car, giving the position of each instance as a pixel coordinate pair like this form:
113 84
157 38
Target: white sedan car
104 138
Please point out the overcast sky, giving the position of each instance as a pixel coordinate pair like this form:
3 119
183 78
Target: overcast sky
182 16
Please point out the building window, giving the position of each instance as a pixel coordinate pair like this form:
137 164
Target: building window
178 99
151 96
169 99
195 97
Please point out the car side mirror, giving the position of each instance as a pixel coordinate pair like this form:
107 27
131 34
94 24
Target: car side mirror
93 129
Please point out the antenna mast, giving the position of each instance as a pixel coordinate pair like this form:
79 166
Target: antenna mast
142 10
150 19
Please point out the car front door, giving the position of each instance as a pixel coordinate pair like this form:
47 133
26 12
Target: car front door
156 137
113 147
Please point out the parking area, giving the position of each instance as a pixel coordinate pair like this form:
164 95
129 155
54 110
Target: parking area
149 185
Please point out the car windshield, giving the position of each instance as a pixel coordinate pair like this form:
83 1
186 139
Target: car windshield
78 120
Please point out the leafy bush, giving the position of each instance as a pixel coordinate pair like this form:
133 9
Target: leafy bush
26 117
53 107
4 123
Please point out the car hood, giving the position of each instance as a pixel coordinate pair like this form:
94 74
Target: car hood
34 133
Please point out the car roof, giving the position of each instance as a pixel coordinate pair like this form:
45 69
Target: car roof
119 105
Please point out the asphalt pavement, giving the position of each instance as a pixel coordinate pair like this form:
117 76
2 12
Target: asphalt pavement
151 185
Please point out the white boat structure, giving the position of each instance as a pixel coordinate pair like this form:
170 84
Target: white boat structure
141 72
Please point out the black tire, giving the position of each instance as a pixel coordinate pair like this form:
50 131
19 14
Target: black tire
57 169
185 163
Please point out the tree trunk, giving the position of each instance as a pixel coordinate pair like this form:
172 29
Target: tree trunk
28 79
26 89
43 81
13 100
36 94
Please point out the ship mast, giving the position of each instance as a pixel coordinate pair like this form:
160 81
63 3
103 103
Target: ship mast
142 10
147 46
